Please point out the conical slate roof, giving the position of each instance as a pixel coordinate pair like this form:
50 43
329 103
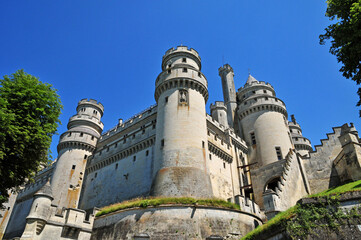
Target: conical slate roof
251 79
45 190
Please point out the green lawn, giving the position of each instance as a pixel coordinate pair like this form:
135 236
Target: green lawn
143 203
280 219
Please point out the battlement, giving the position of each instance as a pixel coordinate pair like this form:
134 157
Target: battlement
218 104
181 49
226 67
223 129
255 84
93 102
129 122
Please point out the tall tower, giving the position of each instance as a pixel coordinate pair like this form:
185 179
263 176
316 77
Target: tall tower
229 92
263 118
74 147
181 136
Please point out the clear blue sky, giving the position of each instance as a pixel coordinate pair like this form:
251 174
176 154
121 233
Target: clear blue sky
112 51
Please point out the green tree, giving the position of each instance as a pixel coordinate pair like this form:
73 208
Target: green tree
345 35
29 116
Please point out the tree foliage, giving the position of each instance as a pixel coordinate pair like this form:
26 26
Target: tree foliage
345 36
29 116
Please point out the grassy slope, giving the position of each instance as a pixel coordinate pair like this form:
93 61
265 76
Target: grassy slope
284 216
165 200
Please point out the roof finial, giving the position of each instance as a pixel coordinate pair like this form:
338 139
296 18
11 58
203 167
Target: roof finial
249 71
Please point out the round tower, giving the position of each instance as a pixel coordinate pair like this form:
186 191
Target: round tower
39 212
263 118
219 113
229 92
75 145
302 145
181 137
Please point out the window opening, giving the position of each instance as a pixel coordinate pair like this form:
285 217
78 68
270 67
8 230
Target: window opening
279 153
253 138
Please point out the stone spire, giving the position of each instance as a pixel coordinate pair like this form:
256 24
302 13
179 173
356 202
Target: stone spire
251 79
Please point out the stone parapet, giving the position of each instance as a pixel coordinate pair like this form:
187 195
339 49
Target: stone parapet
91 102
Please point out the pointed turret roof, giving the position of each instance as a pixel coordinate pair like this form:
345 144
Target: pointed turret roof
45 190
251 79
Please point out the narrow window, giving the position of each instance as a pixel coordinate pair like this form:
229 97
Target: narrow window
296 139
185 70
166 99
266 98
210 156
184 60
115 145
73 167
147 153
153 126
253 138
116 166
85 156
278 152
162 143
125 140
203 144
224 165
253 92
143 131
133 136
169 65
96 174
92 138
169 70
81 134
134 158
199 74
69 134
264 91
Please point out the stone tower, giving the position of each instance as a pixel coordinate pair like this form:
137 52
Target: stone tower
39 213
219 113
302 145
263 119
181 137
229 92
74 147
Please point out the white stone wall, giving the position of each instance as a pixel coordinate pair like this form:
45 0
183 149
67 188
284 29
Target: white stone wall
121 180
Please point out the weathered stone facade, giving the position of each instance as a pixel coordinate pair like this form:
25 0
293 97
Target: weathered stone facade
246 152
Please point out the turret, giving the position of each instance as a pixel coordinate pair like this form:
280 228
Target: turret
302 145
219 113
229 92
75 145
181 138
39 213
263 118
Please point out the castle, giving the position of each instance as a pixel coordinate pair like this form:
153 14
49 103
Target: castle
245 152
